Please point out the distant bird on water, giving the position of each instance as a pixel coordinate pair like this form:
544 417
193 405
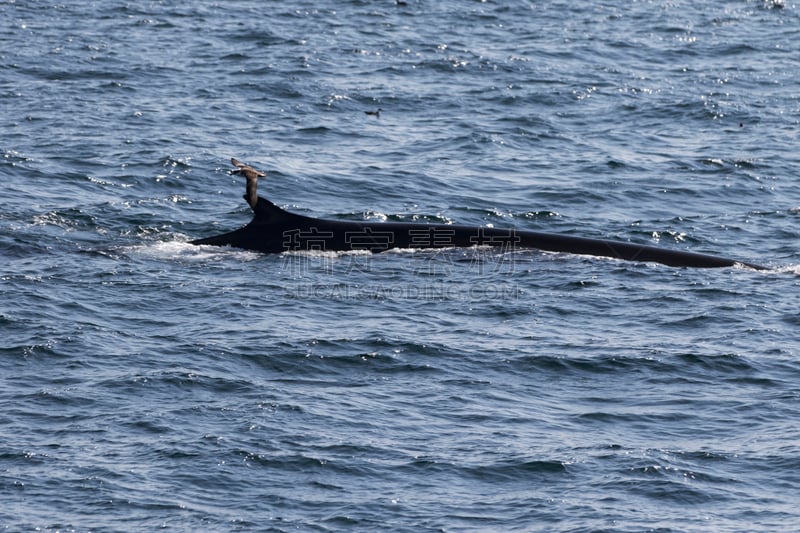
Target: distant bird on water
376 113
252 176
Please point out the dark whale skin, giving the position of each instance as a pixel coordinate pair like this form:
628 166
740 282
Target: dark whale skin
274 230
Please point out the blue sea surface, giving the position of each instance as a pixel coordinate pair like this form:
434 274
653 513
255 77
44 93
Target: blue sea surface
148 383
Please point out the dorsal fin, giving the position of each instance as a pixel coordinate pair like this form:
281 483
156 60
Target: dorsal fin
269 213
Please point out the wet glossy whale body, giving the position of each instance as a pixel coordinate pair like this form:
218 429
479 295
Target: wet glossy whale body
274 230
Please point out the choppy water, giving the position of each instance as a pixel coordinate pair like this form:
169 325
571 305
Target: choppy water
148 383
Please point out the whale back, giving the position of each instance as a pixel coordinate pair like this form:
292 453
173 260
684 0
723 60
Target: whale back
275 230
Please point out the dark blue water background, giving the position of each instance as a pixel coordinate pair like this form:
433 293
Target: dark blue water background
145 382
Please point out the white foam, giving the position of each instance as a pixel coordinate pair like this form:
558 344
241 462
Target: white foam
185 251
788 269
327 254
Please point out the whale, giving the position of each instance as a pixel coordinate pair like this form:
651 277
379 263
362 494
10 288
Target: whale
275 230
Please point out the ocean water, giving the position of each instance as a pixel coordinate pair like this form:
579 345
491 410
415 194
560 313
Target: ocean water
148 383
